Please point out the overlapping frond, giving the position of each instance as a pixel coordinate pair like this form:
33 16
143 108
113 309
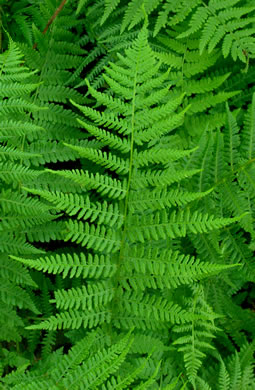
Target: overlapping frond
89 364
17 211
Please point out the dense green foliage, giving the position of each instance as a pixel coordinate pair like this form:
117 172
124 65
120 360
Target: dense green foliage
127 194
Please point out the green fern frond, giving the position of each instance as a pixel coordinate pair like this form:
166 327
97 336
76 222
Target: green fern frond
110 6
59 94
13 295
202 103
73 265
238 253
14 154
150 381
15 272
156 268
74 319
89 364
160 156
82 207
124 381
161 178
224 380
81 5
12 174
95 295
103 159
146 311
133 11
17 245
204 85
106 137
232 140
200 331
160 197
12 202
223 22
97 237
99 367
13 129
53 230
161 226
10 323
105 185
247 135
162 19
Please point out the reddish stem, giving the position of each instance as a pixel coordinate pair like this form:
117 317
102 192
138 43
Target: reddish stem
58 10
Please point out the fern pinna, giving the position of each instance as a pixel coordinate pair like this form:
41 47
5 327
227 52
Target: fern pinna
129 221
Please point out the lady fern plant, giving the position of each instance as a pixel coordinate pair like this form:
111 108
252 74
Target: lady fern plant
128 222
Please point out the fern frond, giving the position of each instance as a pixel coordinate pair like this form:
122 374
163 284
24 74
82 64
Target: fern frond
224 380
53 230
232 139
136 84
99 367
160 156
14 129
89 364
73 265
248 133
12 202
13 295
97 237
160 197
156 268
148 311
75 204
106 137
74 319
160 226
10 323
200 104
161 178
204 85
96 295
103 159
200 331
223 22
15 272
13 173
163 16
14 154
17 245
81 5
105 185
110 6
